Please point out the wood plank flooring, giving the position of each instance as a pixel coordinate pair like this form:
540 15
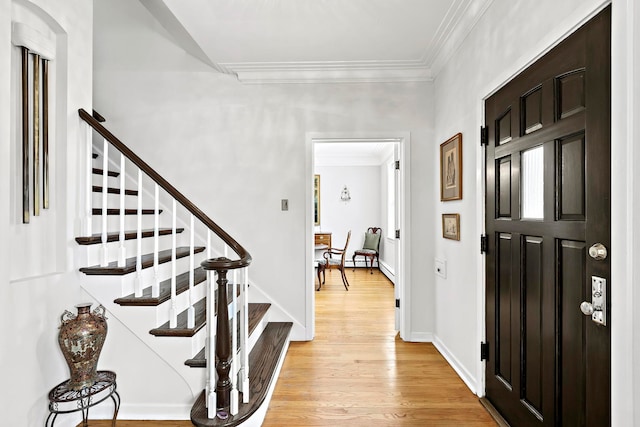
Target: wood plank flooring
358 372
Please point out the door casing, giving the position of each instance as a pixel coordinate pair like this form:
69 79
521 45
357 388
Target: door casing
402 220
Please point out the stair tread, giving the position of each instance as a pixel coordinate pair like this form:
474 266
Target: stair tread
263 362
128 235
182 284
181 329
100 171
256 312
116 211
130 265
113 190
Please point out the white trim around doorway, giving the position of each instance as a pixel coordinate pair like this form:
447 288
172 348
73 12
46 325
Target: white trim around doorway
402 265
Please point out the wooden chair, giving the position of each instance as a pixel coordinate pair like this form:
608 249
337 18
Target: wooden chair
371 247
328 262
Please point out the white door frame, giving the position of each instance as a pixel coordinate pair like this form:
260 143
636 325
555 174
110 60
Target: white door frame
402 199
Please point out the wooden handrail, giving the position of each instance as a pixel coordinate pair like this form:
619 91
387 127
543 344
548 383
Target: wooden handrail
209 264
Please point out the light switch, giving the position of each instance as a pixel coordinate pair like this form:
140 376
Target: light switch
441 268
284 204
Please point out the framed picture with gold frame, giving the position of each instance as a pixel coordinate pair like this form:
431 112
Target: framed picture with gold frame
316 199
451 226
451 168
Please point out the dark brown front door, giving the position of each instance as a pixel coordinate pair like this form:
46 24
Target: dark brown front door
548 201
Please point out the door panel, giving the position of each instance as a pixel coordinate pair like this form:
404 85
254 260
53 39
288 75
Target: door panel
573 324
571 178
548 200
532 319
504 310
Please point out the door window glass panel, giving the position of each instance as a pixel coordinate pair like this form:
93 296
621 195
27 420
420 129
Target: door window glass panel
532 183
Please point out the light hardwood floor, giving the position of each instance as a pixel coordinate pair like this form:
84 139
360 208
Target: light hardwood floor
358 372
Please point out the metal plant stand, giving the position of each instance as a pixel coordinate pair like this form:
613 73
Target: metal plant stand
61 398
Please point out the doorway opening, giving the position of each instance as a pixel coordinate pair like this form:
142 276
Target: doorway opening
375 155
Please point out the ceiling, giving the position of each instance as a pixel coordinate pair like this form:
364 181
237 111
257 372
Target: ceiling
299 41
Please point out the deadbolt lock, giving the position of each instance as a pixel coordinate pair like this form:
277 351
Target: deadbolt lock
597 308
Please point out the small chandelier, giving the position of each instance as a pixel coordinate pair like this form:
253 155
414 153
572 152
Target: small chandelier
344 194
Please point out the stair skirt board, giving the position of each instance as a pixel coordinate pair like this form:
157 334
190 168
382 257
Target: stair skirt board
265 361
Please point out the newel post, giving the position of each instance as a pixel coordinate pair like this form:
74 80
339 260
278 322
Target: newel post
223 346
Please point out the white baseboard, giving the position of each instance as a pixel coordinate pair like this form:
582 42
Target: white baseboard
388 271
462 372
420 337
142 411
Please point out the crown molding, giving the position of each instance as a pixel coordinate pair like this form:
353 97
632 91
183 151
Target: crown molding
462 21
458 22
330 71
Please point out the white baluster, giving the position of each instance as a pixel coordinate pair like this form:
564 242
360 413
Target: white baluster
244 337
173 316
88 228
191 312
155 287
138 279
210 345
104 252
122 256
233 409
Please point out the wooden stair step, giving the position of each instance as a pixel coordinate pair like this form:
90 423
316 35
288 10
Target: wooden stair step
181 329
130 266
182 284
115 211
113 190
100 171
256 312
263 362
128 235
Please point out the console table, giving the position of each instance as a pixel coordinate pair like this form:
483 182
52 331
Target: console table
322 239
62 398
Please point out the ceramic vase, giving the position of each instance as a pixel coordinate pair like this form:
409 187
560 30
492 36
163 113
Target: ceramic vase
81 338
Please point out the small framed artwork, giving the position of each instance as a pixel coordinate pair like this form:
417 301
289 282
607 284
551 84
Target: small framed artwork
451 168
316 199
451 226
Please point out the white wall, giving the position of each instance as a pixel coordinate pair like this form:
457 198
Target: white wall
509 36
236 150
30 308
361 212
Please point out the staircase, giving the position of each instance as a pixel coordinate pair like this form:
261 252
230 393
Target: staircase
177 287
